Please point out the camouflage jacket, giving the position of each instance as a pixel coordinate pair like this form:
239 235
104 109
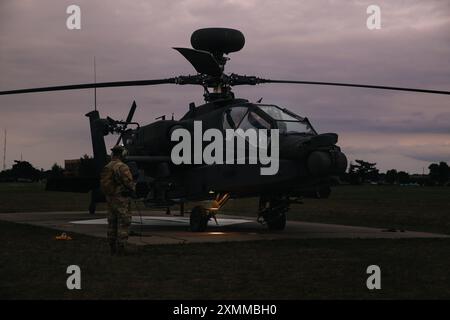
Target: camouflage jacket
116 179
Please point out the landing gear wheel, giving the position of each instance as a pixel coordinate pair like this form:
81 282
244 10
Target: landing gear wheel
276 222
199 219
272 212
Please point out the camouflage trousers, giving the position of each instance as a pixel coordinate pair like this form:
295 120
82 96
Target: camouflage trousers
119 219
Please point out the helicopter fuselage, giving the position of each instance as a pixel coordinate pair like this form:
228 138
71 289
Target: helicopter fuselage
307 160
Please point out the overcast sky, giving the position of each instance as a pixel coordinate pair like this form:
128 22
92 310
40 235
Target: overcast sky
287 39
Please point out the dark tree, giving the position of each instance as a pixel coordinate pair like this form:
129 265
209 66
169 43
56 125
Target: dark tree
24 170
56 170
444 172
439 173
403 177
434 173
391 176
362 172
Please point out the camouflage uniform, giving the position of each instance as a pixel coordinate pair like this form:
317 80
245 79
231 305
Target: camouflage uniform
117 185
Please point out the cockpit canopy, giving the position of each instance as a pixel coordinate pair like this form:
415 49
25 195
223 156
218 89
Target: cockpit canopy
264 116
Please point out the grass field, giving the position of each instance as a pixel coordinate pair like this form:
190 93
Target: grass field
33 265
410 208
413 208
23 197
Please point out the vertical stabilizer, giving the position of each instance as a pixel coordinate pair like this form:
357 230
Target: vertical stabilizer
98 141
100 156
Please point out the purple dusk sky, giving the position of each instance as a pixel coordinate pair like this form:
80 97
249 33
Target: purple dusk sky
287 39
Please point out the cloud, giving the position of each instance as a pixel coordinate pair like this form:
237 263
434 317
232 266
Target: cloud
287 39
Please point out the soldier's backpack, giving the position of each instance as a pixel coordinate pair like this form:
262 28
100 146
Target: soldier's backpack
107 180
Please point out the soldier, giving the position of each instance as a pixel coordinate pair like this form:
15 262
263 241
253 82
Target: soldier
116 182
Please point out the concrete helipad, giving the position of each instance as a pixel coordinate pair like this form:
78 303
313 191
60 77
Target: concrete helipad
158 228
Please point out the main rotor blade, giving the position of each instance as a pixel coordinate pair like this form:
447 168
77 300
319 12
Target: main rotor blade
93 85
339 84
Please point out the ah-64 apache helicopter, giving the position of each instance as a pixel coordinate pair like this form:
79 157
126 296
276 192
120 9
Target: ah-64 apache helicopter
307 160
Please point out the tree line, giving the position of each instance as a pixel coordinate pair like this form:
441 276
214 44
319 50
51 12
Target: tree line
362 172
24 171
359 172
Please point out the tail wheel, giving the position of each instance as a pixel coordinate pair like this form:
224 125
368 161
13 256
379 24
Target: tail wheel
199 219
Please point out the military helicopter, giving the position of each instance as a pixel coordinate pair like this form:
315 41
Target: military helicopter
308 160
